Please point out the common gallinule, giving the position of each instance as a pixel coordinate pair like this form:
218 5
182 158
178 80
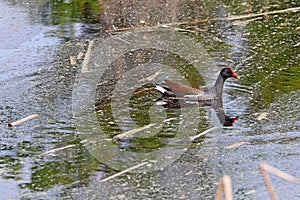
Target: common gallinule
175 90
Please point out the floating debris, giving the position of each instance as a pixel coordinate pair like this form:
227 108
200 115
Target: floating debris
225 188
235 145
262 116
133 131
151 77
87 57
250 192
80 55
264 168
230 18
124 171
143 90
57 149
202 133
22 120
72 60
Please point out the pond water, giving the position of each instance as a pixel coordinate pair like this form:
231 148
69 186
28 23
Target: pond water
84 106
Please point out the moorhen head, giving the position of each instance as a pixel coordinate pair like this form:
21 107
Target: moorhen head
228 72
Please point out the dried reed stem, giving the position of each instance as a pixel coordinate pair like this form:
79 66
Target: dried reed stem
22 120
73 60
230 18
234 17
143 90
264 168
235 145
268 182
225 188
133 131
124 171
87 57
151 77
202 133
57 149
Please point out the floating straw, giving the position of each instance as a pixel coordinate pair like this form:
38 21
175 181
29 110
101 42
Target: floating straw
124 171
132 132
225 188
202 133
22 120
87 57
57 149
264 168
235 145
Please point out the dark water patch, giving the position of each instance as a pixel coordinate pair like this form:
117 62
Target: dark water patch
71 19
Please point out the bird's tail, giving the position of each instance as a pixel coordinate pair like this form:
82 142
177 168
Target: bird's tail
160 89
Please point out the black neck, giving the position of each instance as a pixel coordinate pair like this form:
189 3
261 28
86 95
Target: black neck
217 89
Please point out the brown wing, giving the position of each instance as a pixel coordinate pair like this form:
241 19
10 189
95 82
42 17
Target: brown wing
181 90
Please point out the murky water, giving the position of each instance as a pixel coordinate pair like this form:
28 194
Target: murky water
37 40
